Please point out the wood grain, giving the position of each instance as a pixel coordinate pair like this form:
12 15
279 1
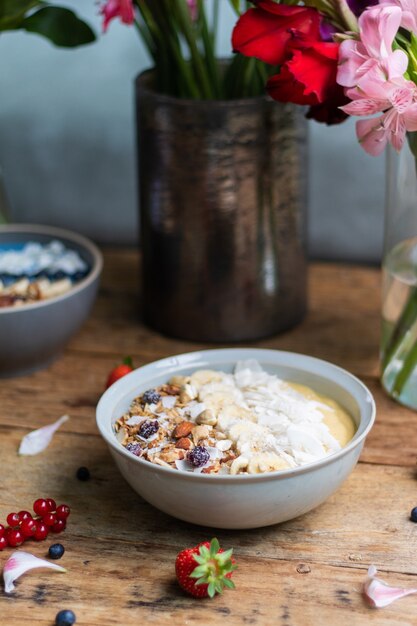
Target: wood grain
120 551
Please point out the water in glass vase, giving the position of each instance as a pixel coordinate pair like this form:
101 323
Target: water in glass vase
399 323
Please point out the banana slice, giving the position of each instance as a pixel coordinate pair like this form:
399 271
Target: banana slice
204 377
266 462
239 464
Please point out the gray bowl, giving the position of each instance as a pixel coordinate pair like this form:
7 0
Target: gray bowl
33 335
242 501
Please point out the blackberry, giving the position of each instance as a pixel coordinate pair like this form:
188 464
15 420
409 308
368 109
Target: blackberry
198 456
151 397
83 473
65 618
134 448
56 551
148 428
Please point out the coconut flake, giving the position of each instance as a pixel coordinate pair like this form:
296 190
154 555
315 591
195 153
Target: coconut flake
148 439
21 562
183 465
379 594
37 440
224 444
195 408
214 453
134 420
168 402
302 440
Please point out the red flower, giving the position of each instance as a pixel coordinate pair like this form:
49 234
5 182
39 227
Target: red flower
309 77
117 8
289 36
265 31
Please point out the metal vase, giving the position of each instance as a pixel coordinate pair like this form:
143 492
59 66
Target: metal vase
222 202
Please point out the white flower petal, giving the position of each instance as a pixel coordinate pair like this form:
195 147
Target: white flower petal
21 562
37 440
379 594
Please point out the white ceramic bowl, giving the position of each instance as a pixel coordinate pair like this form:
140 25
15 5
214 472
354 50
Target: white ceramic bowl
243 501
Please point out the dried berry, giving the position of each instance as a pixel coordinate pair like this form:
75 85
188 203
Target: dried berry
148 428
199 456
134 448
151 397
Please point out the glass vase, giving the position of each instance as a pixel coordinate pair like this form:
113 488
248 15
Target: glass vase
399 291
222 205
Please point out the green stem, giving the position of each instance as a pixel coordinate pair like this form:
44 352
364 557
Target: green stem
208 39
407 319
409 365
196 58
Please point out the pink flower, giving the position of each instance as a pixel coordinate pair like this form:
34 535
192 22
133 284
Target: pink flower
378 28
397 99
374 75
409 12
193 8
117 8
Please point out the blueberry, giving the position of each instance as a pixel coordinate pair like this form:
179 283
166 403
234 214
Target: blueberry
77 276
57 275
65 618
148 428
151 397
83 473
198 456
413 515
56 551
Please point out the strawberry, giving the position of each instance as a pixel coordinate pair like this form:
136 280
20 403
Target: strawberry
118 372
205 570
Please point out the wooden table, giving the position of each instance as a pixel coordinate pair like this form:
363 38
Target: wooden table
120 551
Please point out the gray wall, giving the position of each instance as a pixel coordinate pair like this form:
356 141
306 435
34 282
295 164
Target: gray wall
67 145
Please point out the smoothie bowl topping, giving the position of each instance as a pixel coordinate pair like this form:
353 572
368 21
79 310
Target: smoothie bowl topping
38 272
247 422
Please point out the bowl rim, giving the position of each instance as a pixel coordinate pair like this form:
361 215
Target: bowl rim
54 231
113 394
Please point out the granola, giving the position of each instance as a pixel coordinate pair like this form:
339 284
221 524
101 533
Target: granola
248 422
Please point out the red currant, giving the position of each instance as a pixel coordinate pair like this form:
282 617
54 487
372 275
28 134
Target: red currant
51 505
3 543
28 527
59 526
63 511
15 537
49 519
41 507
2 530
41 532
13 519
24 515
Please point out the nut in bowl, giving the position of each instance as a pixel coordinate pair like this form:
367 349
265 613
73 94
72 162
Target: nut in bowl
283 455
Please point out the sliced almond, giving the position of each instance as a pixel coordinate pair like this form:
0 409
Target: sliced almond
183 430
184 443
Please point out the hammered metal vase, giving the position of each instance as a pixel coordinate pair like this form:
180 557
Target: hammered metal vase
222 201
